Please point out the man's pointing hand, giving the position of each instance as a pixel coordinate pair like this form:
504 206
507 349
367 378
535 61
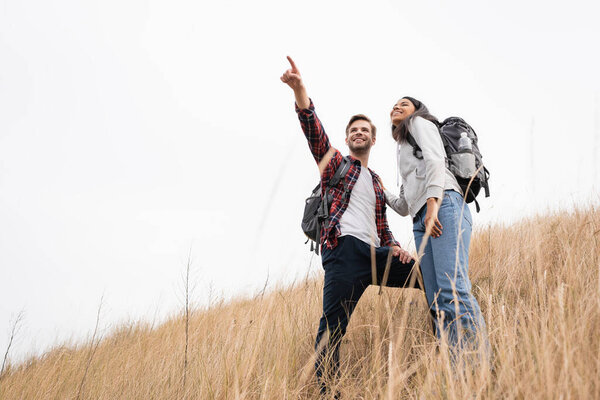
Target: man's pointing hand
292 77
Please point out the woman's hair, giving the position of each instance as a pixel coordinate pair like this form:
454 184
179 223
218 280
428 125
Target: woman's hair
400 132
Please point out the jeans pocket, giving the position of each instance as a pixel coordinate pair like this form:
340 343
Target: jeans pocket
447 201
329 255
462 208
325 256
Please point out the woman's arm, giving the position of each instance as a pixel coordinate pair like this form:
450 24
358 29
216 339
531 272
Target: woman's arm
428 138
396 203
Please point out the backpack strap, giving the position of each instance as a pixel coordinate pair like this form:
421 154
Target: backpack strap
341 172
477 208
323 212
411 140
484 182
318 242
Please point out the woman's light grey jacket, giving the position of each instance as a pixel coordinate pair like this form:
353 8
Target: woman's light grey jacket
421 178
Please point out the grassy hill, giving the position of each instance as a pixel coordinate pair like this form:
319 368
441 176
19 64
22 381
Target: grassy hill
537 281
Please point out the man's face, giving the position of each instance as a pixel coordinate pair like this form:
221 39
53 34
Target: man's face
359 137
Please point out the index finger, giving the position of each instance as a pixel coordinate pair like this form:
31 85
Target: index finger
293 64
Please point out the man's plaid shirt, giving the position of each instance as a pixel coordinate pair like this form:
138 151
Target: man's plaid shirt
319 147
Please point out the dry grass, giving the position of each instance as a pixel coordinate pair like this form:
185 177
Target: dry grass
538 284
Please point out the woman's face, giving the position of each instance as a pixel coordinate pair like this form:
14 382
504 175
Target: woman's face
402 110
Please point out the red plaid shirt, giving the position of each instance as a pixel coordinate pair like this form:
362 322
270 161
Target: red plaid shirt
319 146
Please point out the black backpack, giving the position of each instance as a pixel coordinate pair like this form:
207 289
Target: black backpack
317 205
471 176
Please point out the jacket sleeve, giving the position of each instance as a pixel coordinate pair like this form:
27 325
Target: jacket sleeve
397 203
383 229
386 236
428 138
318 142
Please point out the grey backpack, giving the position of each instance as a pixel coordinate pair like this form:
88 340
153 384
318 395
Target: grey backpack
465 163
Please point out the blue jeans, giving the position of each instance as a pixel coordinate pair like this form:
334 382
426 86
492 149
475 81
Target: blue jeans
445 267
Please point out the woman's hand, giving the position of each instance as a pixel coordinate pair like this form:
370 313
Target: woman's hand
433 226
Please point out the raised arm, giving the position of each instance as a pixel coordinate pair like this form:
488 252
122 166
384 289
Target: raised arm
311 125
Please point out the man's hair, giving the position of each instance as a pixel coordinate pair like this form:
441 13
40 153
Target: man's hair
361 117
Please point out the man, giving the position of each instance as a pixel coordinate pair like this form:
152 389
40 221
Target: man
357 225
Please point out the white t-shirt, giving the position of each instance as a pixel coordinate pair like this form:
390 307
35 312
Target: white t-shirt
359 218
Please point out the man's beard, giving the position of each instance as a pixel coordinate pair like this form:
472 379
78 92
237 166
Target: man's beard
361 149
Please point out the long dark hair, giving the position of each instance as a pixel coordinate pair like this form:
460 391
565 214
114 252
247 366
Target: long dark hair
400 132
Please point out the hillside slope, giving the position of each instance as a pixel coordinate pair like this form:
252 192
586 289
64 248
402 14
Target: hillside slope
538 284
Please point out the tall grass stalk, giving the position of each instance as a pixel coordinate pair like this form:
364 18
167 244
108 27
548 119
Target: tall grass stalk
13 333
91 351
186 313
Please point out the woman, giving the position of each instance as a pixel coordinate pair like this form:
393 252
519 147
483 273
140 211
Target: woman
441 222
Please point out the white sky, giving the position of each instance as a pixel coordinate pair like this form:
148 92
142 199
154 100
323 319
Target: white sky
134 132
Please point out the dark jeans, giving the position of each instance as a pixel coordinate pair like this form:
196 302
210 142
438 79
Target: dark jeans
347 275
